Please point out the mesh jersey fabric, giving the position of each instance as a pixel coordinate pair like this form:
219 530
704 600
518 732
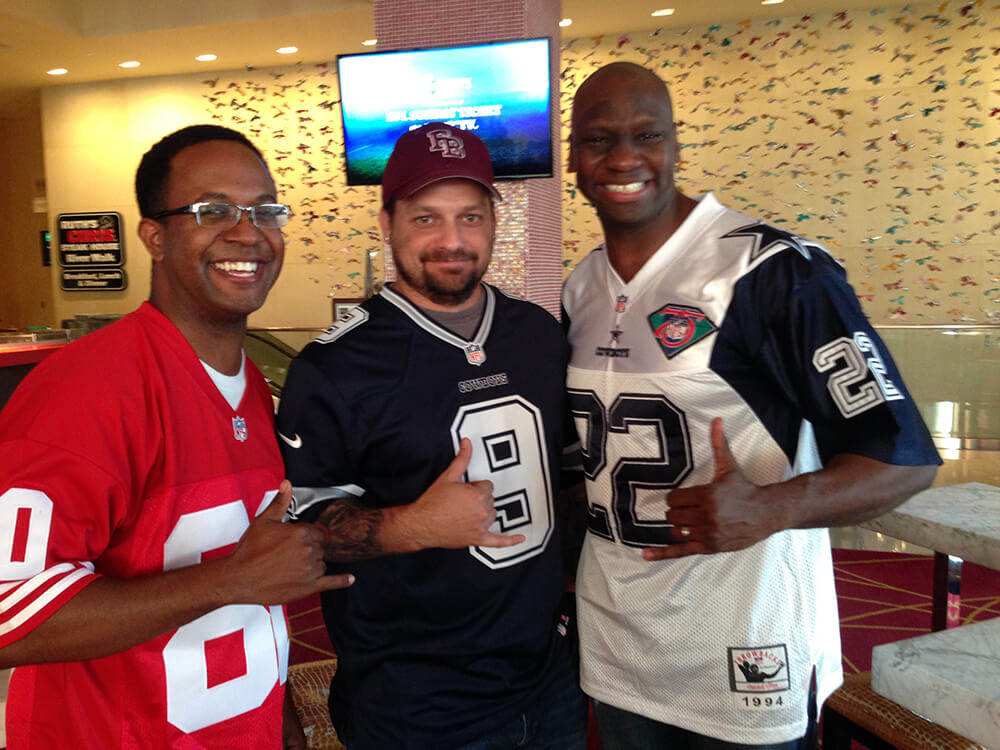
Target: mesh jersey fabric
735 319
119 457
439 646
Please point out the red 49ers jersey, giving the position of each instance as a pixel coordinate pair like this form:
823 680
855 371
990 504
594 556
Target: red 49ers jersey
119 457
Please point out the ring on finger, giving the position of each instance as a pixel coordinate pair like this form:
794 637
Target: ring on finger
684 531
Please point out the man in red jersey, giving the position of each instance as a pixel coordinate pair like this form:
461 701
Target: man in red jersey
143 560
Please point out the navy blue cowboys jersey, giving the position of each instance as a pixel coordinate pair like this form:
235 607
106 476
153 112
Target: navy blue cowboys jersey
452 641
735 319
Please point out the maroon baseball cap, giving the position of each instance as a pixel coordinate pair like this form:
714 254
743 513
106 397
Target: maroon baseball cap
433 152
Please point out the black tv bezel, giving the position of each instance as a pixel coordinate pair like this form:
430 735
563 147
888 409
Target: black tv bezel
553 147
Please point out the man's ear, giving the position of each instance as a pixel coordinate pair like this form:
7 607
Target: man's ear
151 234
384 222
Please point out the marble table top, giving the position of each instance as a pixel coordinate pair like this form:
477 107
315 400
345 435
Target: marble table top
951 677
960 519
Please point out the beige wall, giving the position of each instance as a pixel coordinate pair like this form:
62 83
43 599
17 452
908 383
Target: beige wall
870 131
26 297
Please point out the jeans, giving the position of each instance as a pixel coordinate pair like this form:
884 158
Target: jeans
621 730
554 719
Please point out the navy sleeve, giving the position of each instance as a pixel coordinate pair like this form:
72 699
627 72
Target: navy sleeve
311 434
809 335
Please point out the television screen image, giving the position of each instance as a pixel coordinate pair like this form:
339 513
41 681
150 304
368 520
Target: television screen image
499 91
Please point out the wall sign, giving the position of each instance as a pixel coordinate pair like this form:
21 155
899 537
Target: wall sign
93 280
92 252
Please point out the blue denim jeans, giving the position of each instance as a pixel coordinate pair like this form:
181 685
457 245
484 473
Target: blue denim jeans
555 718
621 730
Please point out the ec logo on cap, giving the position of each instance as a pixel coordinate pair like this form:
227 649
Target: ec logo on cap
447 144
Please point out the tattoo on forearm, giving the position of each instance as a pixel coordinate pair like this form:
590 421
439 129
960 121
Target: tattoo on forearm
351 531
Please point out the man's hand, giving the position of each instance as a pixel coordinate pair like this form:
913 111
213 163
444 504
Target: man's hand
453 513
725 515
277 562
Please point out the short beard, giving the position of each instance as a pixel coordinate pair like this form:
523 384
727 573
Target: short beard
444 296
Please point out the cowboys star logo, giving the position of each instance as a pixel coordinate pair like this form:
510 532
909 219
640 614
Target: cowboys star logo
765 237
448 145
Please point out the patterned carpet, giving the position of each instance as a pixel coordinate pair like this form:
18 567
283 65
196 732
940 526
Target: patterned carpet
886 596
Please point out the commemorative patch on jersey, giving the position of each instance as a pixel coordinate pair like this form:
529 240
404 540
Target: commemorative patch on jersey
240 429
676 327
760 671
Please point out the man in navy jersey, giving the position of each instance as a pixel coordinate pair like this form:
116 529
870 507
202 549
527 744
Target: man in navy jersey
423 431
732 402
143 558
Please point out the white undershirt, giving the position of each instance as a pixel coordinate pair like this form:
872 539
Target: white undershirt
231 387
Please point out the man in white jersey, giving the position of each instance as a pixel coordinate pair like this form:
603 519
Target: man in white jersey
143 558
732 402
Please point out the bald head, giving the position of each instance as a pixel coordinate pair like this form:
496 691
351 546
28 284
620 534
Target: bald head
627 78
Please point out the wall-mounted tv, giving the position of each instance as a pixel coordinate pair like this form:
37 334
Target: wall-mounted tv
500 91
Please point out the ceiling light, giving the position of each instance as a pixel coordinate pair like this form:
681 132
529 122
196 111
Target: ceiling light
771 2
286 50
663 12
57 72
129 64
369 42
206 58
566 22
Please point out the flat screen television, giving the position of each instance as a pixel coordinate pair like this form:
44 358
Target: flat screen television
500 91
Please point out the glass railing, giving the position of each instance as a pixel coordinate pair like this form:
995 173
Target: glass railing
953 373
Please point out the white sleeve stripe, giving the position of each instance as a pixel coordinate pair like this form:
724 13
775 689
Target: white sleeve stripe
306 497
47 598
24 588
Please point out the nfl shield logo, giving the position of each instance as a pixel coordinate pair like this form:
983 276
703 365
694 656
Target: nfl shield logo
475 354
239 428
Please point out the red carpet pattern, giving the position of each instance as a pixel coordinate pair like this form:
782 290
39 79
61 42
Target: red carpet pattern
886 596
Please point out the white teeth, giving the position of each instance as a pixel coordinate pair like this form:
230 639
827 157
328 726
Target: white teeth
238 266
632 187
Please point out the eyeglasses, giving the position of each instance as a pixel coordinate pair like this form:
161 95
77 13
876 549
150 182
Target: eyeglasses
226 215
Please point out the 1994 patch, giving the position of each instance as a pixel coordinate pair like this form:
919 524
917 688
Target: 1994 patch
758 670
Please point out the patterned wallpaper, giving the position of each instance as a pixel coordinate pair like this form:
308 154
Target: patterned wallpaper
874 132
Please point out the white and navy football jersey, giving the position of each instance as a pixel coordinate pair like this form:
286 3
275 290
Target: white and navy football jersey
439 646
741 320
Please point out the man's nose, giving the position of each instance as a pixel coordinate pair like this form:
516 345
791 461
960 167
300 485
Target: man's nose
244 231
624 155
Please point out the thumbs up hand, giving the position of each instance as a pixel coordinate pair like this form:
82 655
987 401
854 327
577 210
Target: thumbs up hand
453 513
726 514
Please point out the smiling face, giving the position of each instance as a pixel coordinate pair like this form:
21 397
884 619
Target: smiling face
201 275
623 147
442 241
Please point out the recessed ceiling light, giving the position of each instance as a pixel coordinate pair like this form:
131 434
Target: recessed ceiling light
369 42
771 2
57 72
663 12
206 58
566 22
129 64
286 50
